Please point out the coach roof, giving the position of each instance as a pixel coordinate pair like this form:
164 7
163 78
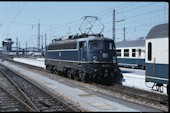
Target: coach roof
158 31
130 43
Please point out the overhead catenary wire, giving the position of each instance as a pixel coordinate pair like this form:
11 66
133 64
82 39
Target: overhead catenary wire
16 15
105 15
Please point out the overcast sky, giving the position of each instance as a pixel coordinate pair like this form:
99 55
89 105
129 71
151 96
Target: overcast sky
20 19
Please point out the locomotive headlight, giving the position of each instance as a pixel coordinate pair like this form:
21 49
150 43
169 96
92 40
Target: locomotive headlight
94 58
105 55
114 59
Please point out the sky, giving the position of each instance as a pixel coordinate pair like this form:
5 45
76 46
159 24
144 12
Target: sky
20 19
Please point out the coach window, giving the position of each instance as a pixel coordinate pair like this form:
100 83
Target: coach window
118 52
149 51
133 52
126 52
140 52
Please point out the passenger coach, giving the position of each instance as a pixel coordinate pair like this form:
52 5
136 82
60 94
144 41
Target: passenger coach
157 57
131 53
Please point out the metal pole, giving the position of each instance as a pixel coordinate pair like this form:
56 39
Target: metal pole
114 25
45 40
38 36
17 46
124 33
42 46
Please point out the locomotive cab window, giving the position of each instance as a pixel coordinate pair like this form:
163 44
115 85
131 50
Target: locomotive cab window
110 46
83 45
95 45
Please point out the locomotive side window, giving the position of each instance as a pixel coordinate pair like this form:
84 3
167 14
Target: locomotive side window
74 45
149 51
126 52
63 46
81 45
133 52
110 46
118 51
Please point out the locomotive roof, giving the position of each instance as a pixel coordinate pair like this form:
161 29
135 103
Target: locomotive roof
89 38
158 31
131 43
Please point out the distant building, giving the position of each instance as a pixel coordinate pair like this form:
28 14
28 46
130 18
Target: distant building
7 45
1 51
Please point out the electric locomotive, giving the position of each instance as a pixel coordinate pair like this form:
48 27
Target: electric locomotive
84 57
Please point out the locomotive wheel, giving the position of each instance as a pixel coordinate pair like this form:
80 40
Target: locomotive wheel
60 73
69 74
76 77
83 77
108 80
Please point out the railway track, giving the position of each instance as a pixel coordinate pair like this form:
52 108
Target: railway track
154 100
150 99
40 99
11 103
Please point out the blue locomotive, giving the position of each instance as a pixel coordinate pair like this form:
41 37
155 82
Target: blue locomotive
84 57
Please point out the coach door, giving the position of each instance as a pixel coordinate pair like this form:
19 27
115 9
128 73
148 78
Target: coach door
150 61
82 51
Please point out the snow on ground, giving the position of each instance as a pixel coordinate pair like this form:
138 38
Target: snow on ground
36 62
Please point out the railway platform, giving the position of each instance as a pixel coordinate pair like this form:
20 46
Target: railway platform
87 99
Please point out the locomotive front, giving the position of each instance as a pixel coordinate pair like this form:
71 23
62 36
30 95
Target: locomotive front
100 55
